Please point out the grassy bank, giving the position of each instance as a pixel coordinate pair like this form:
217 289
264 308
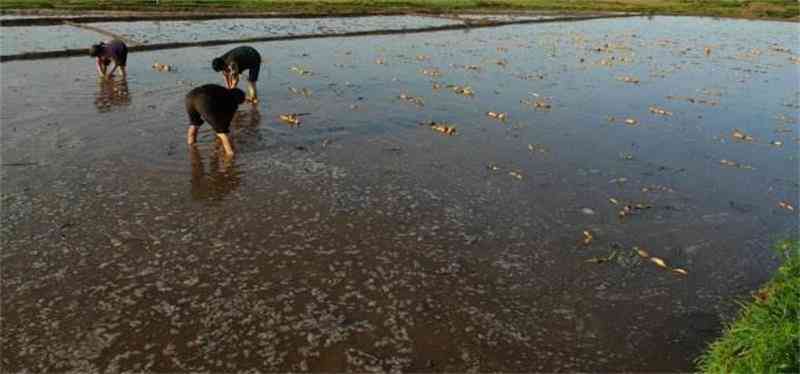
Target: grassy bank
776 9
765 338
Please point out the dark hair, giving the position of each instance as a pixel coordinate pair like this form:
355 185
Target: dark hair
237 95
96 50
218 64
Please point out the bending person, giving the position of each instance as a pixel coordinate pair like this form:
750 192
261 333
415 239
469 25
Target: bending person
105 52
235 62
216 105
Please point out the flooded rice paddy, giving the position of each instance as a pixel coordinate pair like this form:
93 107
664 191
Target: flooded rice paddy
363 240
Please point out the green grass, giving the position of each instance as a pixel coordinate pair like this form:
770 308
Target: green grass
765 338
727 8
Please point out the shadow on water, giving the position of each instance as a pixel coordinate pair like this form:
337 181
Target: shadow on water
221 178
112 93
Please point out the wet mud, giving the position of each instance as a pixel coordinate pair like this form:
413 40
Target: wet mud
362 240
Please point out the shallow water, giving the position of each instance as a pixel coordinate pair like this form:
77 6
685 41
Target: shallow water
150 32
14 39
363 241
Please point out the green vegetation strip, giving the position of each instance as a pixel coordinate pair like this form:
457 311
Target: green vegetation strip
765 338
774 9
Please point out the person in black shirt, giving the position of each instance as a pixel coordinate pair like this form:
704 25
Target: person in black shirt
236 61
216 105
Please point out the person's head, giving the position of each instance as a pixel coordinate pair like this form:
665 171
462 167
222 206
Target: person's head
218 64
96 50
237 95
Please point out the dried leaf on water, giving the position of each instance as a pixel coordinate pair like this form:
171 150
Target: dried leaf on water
659 111
497 115
300 71
163 67
290 118
463 90
628 79
659 262
680 271
431 72
443 128
739 135
587 237
786 205
416 100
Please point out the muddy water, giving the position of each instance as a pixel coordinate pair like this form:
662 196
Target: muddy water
363 241
149 32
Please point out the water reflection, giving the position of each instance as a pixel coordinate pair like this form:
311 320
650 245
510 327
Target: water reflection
222 177
247 133
111 93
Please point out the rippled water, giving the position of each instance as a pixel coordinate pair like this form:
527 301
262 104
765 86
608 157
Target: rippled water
362 240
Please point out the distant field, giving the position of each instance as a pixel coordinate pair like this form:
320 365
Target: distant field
782 9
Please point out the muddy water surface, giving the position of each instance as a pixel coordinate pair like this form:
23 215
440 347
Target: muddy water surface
364 241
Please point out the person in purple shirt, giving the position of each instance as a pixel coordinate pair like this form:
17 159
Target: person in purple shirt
106 52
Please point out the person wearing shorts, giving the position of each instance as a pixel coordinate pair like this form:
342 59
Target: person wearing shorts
105 52
235 62
216 105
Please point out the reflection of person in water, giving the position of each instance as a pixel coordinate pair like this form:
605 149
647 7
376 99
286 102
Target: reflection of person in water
111 93
222 176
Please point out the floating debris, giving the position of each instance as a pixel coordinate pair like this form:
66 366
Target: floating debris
618 180
437 86
776 143
300 71
602 259
588 211
786 205
163 67
628 79
380 61
302 92
538 148
695 101
641 252
735 164
540 104
614 201
631 121
492 167
659 111
431 72
587 237
443 128
423 57
497 115
659 262
416 100
291 118
707 51
463 90
739 135
680 271
515 174
632 209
